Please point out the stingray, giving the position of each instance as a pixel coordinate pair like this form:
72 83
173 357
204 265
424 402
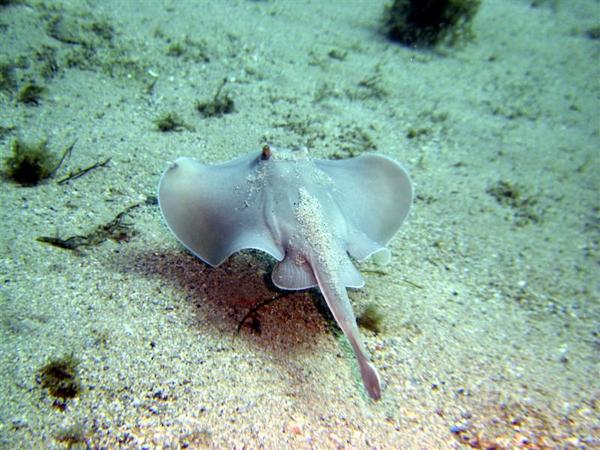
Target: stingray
308 214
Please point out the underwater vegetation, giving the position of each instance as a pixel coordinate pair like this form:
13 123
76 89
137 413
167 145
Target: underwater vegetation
219 105
74 436
425 23
10 2
60 378
514 196
32 163
593 32
31 94
117 230
370 319
7 77
73 175
170 121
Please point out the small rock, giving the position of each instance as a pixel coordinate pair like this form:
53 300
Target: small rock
456 429
295 428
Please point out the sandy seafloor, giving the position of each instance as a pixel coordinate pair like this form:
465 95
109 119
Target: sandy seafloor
491 329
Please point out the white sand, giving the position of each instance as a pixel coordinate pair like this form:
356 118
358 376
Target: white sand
491 319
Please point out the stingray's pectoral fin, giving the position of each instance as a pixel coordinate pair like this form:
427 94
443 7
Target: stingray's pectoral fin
339 305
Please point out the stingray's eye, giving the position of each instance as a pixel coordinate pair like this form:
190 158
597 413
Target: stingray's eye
266 152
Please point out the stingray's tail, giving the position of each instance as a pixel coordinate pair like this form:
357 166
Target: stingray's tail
339 304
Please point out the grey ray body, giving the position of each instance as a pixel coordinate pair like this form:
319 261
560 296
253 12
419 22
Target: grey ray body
309 214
